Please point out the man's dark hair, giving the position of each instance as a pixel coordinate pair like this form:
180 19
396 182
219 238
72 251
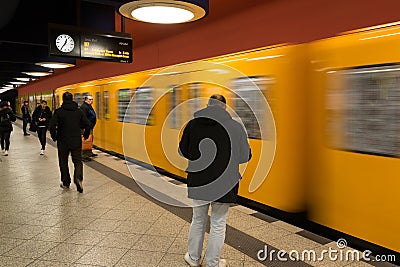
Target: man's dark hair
217 100
3 104
86 97
67 96
43 101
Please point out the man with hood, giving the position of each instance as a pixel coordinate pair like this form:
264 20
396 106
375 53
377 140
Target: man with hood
215 145
65 128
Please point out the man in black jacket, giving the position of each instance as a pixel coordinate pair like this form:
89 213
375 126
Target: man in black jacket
6 117
65 128
215 145
90 114
41 116
26 117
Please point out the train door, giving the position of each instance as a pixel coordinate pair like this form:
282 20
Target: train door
101 106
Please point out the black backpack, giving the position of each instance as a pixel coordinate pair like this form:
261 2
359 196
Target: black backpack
5 120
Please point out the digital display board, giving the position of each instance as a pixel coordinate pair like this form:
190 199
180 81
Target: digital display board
80 43
108 48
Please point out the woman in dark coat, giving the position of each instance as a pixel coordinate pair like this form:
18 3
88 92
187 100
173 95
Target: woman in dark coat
41 116
6 117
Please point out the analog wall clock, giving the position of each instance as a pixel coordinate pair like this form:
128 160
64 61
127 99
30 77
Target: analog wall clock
65 43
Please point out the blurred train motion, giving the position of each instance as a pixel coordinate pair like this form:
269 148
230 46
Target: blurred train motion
332 147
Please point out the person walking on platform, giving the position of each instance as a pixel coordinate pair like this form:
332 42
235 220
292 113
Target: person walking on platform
215 145
26 117
6 117
65 128
90 114
41 116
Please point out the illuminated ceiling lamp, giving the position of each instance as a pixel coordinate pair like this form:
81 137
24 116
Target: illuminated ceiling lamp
165 11
57 63
37 73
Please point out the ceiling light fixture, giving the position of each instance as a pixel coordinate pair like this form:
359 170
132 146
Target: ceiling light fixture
37 73
25 79
55 65
165 11
18 83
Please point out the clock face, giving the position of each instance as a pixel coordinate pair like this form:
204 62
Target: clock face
65 43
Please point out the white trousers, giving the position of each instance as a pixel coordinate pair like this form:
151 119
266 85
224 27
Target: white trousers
216 239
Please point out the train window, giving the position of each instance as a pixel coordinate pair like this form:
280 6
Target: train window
124 98
249 106
32 102
193 95
175 94
58 101
143 104
106 105
84 95
362 110
78 98
98 105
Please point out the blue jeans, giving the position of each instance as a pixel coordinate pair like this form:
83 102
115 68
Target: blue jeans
216 239
24 124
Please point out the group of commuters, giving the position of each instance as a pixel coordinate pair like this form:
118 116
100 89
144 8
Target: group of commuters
68 125
214 144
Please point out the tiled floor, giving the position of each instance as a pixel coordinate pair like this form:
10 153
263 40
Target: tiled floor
113 223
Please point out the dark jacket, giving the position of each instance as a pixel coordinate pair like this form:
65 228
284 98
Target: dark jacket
213 173
6 117
66 125
25 112
89 113
42 113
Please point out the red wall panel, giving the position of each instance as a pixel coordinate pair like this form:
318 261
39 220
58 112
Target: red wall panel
275 21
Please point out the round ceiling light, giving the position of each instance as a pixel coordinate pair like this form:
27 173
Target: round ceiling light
55 65
165 11
37 73
18 83
23 79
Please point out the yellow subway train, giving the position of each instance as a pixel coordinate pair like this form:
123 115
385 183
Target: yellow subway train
323 121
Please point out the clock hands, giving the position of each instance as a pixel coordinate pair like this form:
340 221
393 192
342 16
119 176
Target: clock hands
66 40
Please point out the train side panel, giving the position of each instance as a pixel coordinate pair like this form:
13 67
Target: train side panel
354 134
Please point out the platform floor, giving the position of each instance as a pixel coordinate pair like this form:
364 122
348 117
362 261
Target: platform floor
114 223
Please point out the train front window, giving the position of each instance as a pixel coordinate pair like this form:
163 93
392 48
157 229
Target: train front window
124 98
362 110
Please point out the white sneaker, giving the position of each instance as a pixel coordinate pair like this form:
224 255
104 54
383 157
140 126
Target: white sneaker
6 153
189 261
41 152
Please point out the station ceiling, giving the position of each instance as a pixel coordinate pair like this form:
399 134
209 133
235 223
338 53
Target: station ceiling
24 27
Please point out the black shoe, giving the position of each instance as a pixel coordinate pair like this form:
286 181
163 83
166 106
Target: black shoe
86 159
26 134
79 186
64 186
93 155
